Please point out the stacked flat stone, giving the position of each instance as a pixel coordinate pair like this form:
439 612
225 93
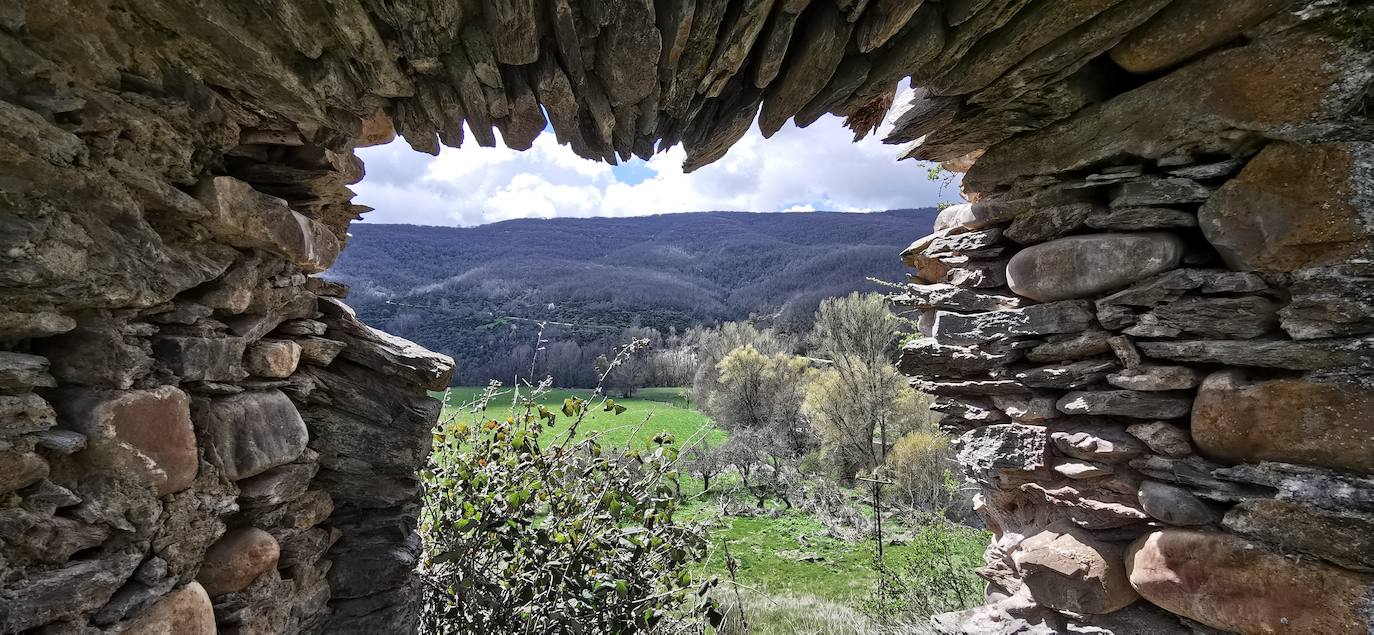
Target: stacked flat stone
1150 330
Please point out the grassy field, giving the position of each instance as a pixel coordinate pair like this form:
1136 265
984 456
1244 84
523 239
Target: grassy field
649 412
793 577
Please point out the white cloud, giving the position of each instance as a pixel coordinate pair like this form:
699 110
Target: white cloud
816 168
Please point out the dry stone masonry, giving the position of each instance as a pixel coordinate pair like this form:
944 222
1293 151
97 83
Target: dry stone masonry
1150 326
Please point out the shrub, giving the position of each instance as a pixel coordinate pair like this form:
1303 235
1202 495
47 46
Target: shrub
524 532
937 575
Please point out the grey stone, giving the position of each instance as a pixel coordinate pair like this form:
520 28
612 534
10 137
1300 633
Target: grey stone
1041 225
997 455
1184 30
15 326
46 497
319 351
1163 438
73 590
249 433
246 218
974 242
23 414
1344 538
957 387
1174 505
214 359
21 372
1081 470
1039 319
1292 355
974 409
1081 266
20 469
1228 318
1155 378
953 298
1031 408
60 441
1093 441
1058 348
1138 218
1168 191
272 358
1068 375
277 485
301 327
383 352
1126 403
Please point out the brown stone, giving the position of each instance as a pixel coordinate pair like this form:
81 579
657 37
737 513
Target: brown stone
1238 420
1229 583
237 559
184 611
319 351
1067 569
1294 206
1185 29
146 432
272 358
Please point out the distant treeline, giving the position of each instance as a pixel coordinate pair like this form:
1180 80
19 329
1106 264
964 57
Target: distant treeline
478 294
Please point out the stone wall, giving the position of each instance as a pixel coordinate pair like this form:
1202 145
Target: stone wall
1151 326
196 434
1150 330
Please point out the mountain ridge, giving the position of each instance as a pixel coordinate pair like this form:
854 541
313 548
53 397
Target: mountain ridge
474 292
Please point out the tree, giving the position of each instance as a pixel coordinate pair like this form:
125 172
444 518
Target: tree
758 399
712 345
859 403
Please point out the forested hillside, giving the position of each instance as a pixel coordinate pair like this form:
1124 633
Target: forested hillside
475 293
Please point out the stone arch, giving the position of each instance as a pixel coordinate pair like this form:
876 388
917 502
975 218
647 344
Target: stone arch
1152 316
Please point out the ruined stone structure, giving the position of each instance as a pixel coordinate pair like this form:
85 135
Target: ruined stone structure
1151 326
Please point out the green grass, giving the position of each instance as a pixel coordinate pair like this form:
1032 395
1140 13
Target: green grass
649 412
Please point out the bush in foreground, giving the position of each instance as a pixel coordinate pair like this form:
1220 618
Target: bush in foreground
525 531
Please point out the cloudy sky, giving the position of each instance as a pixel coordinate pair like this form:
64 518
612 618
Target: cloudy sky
816 168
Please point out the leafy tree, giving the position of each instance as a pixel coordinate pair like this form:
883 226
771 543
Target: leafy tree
859 402
919 466
758 399
524 532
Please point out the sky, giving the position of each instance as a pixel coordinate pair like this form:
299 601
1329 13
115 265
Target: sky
818 168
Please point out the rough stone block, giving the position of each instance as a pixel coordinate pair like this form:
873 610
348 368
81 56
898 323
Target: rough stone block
251 432
145 432
1294 206
1229 583
248 219
1238 420
1067 569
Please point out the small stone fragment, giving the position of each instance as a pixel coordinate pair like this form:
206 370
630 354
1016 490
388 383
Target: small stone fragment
1155 378
1163 438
